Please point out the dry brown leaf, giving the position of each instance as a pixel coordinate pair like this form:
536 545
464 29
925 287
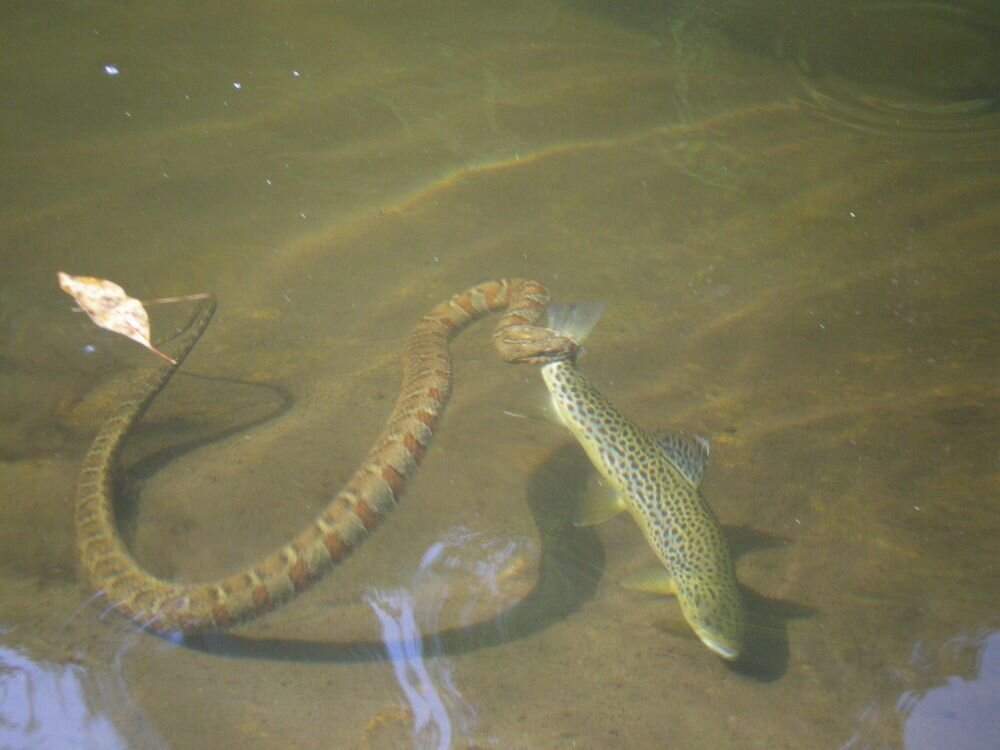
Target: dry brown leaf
109 307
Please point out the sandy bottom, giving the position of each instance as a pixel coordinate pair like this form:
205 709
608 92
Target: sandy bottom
816 297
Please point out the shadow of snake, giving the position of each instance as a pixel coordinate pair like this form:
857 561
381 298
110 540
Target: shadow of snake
570 564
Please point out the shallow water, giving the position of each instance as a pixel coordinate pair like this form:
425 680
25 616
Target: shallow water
793 220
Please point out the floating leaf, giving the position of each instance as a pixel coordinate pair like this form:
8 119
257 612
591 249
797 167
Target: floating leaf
109 307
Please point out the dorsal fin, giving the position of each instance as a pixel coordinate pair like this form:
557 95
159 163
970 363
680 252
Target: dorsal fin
686 451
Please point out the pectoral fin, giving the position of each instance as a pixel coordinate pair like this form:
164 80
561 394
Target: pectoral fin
598 504
654 580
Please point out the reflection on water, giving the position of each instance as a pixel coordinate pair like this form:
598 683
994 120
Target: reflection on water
958 712
945 697
432 722
44 706
464 567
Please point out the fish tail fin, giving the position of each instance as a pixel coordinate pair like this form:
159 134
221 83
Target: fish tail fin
576 319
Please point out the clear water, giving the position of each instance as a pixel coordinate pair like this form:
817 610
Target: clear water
793 220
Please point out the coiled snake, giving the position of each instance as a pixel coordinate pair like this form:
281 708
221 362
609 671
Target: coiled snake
170 608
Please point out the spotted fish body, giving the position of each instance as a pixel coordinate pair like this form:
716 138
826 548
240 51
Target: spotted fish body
656 479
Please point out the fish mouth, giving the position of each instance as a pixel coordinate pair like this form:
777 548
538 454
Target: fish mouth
727 652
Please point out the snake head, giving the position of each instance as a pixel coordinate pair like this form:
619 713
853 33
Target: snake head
528 344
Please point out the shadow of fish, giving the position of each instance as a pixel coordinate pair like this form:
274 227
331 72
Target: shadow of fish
656 479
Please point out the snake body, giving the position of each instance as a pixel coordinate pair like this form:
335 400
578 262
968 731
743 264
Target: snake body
171 608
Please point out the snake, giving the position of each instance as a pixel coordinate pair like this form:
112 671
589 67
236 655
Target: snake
180 609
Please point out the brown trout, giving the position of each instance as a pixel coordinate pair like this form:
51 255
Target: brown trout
656 479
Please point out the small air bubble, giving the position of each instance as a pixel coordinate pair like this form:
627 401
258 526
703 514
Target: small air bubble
111 70
237 85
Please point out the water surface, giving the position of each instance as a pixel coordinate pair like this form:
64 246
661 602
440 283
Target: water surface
793 220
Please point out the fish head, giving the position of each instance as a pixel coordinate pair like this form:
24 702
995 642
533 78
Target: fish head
726 647
717 618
